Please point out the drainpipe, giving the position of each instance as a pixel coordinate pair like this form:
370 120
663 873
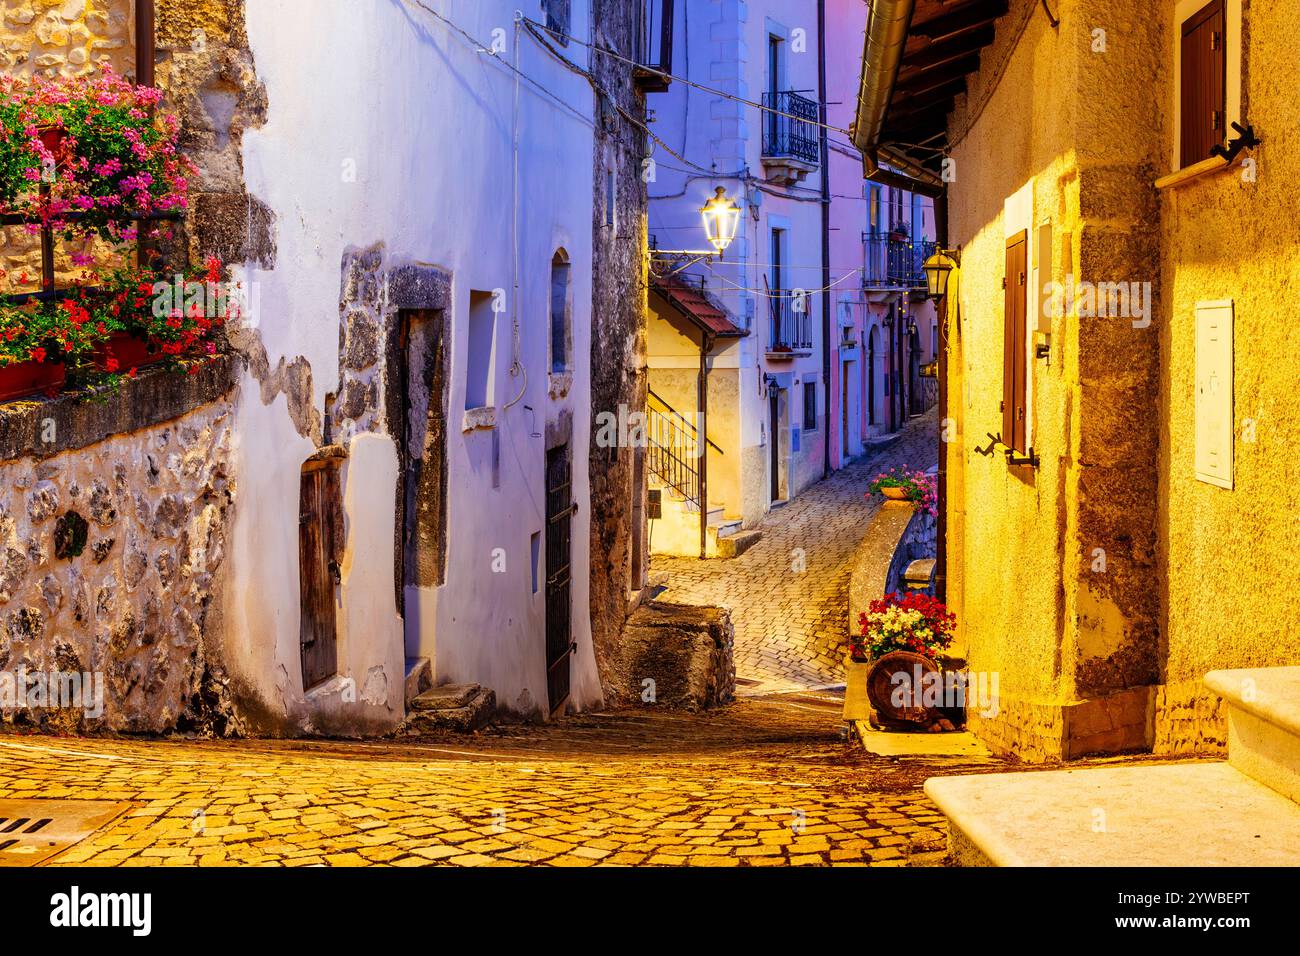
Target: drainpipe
702 441
941 484
826 241
888 22
145 58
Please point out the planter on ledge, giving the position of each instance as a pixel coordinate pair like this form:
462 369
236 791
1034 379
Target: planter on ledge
894 494
129 351
31 378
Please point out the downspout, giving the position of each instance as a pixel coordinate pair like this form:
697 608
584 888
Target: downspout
888 22
826 242
702 441
941 483
146 56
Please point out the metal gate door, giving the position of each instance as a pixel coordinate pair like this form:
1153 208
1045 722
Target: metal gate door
559 515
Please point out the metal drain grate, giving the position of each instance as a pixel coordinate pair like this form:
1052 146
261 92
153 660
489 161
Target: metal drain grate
32 831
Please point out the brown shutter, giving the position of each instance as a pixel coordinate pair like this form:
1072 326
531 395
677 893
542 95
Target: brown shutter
320 520
1203 84
1014 343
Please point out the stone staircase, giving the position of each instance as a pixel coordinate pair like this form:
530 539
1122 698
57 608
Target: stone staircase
447 707
1241 812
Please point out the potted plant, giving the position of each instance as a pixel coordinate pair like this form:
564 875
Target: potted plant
114 154
902 636
38 342
906 484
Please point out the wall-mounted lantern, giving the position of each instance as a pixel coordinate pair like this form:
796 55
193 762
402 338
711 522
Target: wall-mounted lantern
937 270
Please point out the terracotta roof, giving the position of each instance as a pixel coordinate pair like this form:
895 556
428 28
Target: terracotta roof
696 306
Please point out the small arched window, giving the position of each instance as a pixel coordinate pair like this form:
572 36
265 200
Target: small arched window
560 311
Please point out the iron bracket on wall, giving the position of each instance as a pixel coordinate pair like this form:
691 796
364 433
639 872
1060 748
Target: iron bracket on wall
1012 461
1031 459
1246 139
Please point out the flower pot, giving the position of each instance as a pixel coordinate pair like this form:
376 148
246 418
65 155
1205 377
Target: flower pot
30 378
129 351
54 138
894 493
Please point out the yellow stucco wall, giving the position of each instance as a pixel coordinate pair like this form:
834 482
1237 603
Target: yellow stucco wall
1231 556
1103 585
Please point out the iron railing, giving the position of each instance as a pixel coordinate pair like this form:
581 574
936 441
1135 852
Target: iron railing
673 448
894 262
791 322
654 45
790 127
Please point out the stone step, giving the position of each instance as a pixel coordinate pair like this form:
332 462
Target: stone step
446 697
419 678
734 545
1185 814
1263 707
476 710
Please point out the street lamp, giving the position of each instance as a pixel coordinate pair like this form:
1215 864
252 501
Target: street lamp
937 270
721 219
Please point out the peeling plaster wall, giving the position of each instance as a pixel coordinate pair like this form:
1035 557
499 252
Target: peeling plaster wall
1230 555
1061 135
387 131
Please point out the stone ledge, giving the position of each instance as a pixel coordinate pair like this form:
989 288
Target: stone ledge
78 419
1051 818
685 649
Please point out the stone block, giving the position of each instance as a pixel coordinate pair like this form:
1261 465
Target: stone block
684 649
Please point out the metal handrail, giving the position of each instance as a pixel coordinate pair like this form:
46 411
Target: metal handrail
685 422
671 453
790 127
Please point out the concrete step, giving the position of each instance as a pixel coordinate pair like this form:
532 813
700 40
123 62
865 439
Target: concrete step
454 707
734 545
1186 814
419 678
1263 706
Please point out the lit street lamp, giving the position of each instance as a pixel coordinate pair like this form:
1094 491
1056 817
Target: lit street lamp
937 270
721 219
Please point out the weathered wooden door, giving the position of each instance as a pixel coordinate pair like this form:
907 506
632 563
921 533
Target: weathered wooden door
773 423
319 540
559 516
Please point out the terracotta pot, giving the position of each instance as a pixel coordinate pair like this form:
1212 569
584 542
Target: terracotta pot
54 138
894 494
129 351
30 378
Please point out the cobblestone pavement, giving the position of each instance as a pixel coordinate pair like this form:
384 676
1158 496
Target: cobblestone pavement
766 781
791 622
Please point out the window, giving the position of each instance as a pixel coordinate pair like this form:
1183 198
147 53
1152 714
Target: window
810 406
1203 83
873 208
557 19
479 370
560 311
1014 343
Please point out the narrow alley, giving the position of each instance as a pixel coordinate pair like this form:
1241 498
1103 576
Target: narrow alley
788 595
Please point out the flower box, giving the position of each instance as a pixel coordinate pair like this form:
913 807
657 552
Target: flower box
128 351
894 493
30 378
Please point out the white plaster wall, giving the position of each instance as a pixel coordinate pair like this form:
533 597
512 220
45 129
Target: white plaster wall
386 90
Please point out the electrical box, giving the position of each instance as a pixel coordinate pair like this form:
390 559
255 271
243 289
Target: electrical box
654 503
1214 394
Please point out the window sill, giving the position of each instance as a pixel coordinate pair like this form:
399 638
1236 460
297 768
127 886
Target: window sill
76 419
483 417
1205 167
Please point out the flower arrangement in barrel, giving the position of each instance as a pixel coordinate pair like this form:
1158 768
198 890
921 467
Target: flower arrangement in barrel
913 621
907 484
83 157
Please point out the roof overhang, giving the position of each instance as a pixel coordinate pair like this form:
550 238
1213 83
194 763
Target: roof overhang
915 61
697 307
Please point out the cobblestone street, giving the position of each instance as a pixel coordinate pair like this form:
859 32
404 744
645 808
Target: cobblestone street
766 781
790 623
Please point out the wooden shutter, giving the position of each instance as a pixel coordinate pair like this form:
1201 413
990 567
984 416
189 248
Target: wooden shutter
1203 84
1014 342
320 536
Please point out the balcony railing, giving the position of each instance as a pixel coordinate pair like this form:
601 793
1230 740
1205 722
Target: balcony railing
894 261
654 45
791 326
790 128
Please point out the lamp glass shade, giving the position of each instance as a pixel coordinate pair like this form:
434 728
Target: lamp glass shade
937 269
721 220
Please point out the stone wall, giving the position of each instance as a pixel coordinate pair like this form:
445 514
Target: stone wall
618 335
110 554
898 534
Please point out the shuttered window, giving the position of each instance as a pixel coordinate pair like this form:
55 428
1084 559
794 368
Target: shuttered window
1203 83
1015 344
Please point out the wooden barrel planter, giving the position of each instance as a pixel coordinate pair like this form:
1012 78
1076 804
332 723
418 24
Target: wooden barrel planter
31 378
129 351
897 702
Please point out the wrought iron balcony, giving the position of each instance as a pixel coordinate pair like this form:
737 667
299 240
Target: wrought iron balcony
791 137
894 261
654 45
791 324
